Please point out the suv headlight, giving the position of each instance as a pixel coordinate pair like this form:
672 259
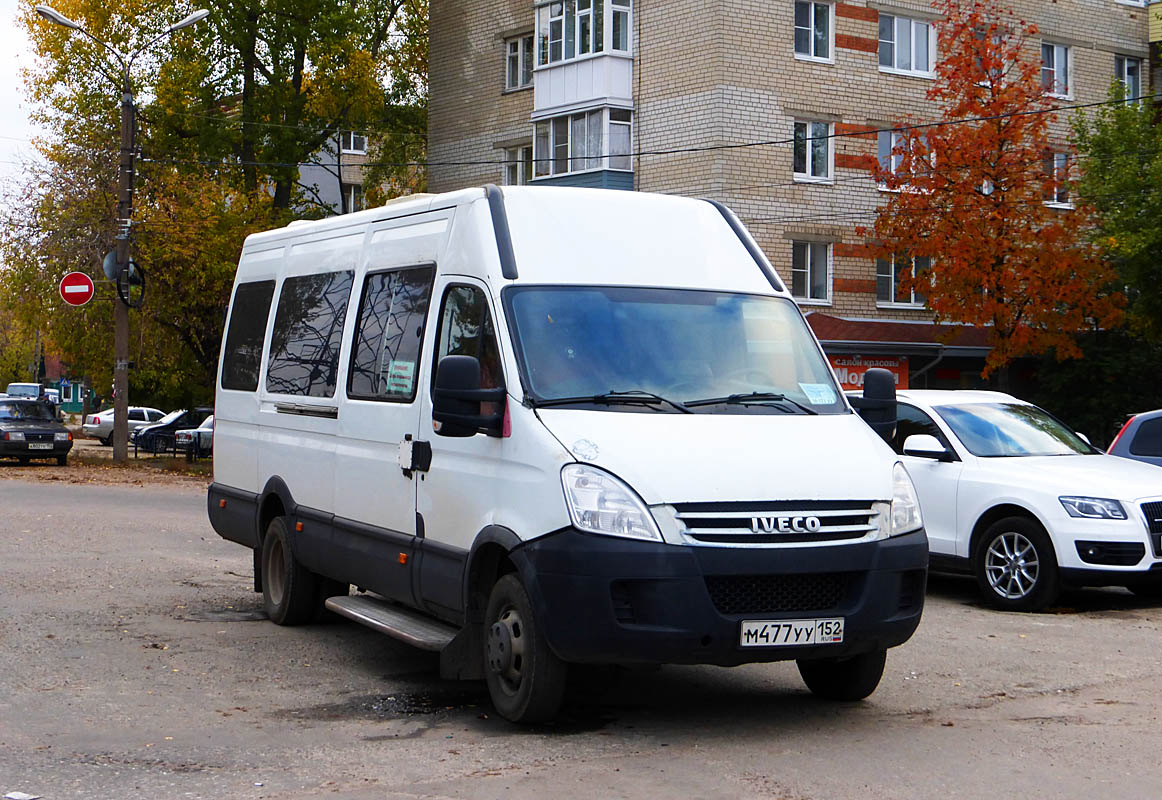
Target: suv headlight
1093 507
601 503
902 515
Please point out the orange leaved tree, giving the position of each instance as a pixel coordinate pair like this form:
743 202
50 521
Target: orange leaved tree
979 217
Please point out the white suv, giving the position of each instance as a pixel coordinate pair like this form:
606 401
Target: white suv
1022 502
100 425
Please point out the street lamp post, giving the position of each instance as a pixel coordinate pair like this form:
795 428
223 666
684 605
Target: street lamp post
124 217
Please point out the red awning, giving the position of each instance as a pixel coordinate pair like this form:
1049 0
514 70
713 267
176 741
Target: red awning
855 334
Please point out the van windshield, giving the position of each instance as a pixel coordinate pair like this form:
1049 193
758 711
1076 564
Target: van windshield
715 352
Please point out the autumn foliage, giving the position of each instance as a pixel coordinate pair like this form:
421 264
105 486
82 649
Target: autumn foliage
969 192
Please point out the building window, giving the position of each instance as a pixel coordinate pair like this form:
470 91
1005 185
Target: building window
352 142
891 148
620 10
352 197
573 28
907 45
890 277
1055 69
810 272
519 63
813 27
575 142
812 151
518 165
1129 71
1057 180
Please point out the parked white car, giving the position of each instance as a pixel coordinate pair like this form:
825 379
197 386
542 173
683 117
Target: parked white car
1026 505
100 425
199 440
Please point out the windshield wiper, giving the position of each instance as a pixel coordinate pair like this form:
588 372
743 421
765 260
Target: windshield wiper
751 398
632 396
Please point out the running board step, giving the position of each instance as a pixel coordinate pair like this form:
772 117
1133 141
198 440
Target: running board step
401 623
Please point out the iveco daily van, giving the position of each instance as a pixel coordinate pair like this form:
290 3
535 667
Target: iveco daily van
543 426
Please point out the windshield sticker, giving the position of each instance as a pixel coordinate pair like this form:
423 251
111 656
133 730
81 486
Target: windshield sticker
818 394
400 376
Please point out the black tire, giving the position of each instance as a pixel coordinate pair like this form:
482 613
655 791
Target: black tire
1015 566
62 461
844 679
330 588
290 592
525 678
106 442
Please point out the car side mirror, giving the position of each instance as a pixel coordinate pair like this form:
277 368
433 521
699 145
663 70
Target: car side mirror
923 445
878 404
457 398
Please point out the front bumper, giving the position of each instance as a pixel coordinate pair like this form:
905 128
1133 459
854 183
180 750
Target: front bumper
22 450
601 599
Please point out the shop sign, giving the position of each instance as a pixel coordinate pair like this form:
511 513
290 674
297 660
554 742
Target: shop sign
851 369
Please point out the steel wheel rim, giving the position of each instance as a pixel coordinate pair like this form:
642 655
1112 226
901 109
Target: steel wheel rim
1012 565
506 649
275 572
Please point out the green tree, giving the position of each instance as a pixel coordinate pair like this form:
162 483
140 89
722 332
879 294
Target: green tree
1122 181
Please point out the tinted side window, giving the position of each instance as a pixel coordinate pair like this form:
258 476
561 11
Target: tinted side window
386 354
466 330
911 421
154 416
308 333
1148 441
243 352
137 415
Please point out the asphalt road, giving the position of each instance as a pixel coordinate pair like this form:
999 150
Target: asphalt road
135 662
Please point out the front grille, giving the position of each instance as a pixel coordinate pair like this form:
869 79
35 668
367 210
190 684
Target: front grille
1153 514
773 594
777 522
38 437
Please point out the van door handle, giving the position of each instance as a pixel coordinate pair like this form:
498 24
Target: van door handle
414 456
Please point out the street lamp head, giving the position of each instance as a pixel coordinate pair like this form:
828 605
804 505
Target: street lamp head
197 16
52 15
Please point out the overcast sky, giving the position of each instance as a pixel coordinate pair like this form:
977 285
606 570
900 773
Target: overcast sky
15 129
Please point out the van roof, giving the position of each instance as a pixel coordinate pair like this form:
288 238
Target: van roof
565 235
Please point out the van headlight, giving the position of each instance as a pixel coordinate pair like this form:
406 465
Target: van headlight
600 503
902 515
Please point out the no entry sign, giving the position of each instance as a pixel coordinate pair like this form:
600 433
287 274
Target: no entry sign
76 288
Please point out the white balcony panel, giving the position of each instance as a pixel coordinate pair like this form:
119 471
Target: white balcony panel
585 82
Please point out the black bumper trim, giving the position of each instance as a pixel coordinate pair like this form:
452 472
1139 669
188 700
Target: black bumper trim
601 599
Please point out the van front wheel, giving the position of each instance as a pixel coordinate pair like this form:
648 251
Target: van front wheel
289 590
525 678
844 679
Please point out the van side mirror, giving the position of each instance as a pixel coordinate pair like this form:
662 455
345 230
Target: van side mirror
457 398
878 404
924 445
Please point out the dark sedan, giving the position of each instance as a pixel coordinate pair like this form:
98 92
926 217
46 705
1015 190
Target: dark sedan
159 437
29 429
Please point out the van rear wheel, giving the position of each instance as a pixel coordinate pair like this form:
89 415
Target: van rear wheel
290 592
526 680
844 679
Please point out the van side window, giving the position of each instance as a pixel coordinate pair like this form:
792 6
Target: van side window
466 330
390 330
308 333
911 421
243 353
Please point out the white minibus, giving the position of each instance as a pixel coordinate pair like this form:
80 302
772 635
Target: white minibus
535 427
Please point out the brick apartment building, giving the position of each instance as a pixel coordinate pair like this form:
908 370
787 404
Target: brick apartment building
588 92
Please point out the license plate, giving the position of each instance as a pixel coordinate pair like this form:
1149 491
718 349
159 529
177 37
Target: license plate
40 445
790 632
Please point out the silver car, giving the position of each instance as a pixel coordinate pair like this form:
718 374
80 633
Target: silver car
100 425
199 441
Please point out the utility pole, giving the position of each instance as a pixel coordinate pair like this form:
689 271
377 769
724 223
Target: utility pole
120 307
124 217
